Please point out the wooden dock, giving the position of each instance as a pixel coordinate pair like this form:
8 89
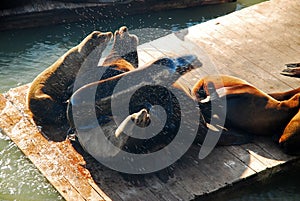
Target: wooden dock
253 44
33 13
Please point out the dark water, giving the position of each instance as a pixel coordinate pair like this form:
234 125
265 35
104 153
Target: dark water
25 53
283 186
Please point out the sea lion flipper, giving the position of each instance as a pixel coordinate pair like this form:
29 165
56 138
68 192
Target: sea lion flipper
292 65
291 71
124 48
140 118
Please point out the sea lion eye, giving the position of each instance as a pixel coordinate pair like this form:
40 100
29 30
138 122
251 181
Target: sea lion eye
202 93
94 36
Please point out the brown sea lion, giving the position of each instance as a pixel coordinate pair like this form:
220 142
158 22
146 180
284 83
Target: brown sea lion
250 110
50 90
123 57
90 111
48 95
148 91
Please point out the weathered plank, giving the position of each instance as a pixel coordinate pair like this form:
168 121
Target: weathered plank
60 163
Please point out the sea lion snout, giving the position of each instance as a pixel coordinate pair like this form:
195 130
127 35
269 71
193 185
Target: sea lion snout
186 63
103 37
181 64
141 118
93 40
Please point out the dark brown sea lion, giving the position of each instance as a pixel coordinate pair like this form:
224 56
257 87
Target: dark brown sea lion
164 71
90 108
123 56
50 90
250 110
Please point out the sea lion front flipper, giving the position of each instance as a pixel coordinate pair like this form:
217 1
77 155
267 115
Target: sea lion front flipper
124 48
291 71
140 118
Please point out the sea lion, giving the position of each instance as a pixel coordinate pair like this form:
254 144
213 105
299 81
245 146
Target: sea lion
252 111
50 90
160 73
123 57
148 90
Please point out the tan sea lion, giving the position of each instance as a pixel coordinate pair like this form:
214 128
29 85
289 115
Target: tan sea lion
50 90
250 110
48 95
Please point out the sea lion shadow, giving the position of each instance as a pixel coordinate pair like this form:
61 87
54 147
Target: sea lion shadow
55 133
188 168
107 178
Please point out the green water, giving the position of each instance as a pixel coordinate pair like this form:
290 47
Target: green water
25 53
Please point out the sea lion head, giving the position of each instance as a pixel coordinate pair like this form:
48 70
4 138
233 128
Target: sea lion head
94 39
186 63
181 65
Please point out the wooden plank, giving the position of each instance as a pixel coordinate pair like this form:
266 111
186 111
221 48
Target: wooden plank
246 43
62 168
228 61
287 39
11 117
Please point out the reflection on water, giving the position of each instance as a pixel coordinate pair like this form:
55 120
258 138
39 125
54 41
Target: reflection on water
25 53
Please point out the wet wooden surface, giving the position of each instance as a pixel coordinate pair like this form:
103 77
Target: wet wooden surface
253 44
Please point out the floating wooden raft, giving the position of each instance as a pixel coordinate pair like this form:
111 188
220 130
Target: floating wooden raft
46 12
253 43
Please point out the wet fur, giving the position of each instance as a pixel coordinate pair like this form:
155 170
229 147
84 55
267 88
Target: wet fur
48 94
